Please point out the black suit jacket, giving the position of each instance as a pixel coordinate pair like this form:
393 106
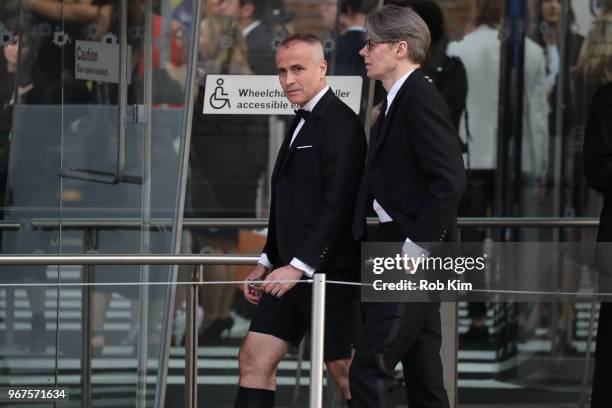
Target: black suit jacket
414 166
261 55
314 185
348 60
597 152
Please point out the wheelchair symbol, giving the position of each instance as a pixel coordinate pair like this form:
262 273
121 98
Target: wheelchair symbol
219 98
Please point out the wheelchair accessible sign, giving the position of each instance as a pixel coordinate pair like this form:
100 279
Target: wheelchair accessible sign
263 95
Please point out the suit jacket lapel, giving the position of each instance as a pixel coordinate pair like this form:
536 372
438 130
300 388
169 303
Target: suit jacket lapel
374 136
387 118
314 117
282 152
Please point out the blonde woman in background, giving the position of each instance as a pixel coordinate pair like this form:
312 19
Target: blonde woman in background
225 168
595 69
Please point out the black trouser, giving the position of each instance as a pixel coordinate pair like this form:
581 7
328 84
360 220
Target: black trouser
602 391
394 332
478 198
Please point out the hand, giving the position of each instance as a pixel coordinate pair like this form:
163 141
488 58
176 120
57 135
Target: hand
286 273
251 292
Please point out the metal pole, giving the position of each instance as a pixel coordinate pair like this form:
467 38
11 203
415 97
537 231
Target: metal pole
298 375
10 317
177 222
191 341
316 342
194 223
143 315
587 358
86 347
89 239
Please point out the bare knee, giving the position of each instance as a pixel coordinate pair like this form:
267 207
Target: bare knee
258 361
255 372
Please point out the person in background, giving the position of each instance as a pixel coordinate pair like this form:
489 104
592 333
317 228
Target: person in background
219 187
593 87
479 50
352 16
448 72
329 14
548 34
17 88
258 31
598 171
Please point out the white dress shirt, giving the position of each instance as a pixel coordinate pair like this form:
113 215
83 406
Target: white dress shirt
295 262
479 52
356 28
409 248
247 30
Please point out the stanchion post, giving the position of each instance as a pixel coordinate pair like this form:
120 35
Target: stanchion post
191 340
316 342
90 245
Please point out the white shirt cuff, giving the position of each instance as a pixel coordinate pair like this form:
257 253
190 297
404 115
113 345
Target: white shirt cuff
306 269
263 260
413 250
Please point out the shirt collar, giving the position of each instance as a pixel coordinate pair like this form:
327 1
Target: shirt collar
247 30
356 28
396 87
310 105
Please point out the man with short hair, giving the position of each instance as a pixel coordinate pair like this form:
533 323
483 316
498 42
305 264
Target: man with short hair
352 16
314 186
258 34
414 178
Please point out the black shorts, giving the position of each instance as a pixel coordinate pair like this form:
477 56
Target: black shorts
289 317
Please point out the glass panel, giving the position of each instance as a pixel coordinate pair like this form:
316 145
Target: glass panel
31 123
64 186
535 351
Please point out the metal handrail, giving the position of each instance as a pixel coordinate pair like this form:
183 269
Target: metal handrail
127 260
10 226
92 225
318 306
517 222
319 285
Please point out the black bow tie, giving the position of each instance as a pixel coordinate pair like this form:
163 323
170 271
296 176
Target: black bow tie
302 113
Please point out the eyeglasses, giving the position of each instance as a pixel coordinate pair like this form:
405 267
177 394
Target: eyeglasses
371 44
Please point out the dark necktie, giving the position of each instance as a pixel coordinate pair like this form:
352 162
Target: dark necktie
377 128
302 113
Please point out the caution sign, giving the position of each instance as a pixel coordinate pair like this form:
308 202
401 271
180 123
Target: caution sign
263 95
98 61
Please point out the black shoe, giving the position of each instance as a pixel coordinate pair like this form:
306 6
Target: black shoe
476 334
212 334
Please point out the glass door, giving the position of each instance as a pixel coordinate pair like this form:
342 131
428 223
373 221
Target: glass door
95 125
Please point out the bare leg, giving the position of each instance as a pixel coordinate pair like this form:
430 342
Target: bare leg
339 371
259 355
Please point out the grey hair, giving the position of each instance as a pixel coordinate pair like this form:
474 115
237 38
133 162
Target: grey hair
394 23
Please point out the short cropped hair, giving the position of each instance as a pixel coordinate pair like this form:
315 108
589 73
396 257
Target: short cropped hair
310 39
394 23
